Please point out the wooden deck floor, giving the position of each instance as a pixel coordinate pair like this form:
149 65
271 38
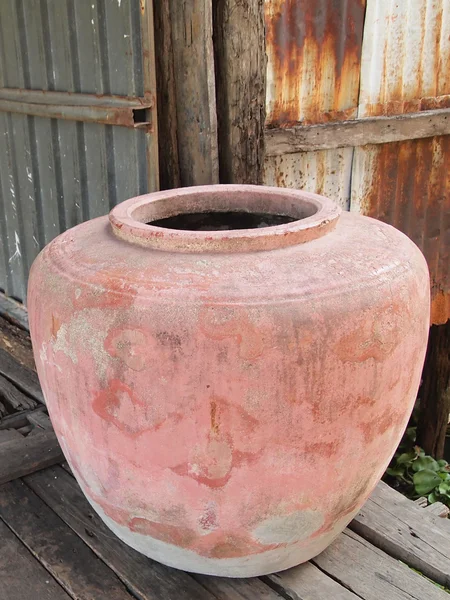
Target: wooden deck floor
53 546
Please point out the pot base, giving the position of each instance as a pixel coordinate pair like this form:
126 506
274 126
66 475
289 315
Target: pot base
255 565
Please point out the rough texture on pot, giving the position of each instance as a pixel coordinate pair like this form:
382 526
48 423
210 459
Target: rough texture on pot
227 400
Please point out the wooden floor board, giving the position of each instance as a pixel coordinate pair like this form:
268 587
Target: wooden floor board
71 562
147 579
307 582
372 574
409 533
22 577
25 379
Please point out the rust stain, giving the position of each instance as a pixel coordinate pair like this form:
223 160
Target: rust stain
56 324
214 420
314 53
409 187
408 81
402 106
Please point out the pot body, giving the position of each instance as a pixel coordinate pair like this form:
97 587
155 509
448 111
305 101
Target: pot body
228 410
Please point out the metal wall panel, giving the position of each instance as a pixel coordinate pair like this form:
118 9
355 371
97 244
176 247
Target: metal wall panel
405 64
325 172
56 173
406 68
314 51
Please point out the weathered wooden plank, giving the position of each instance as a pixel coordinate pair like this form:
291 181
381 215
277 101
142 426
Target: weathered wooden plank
14 311
19 419
169 168
437 509
13 397
19 457
240 66
21 575
9 434
307 582
358 132
372 574
191 23
237 589
16 341
39 419
149 58
74 566
402 529
23 378
144 577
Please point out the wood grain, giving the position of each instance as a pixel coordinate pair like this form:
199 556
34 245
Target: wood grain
358 132
372 574
19 457
13 398
307 582
225 588
23 378
22 576
240 66
196 120
144 577
76 568
16 341
407 532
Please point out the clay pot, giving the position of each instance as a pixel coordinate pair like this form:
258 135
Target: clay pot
228 399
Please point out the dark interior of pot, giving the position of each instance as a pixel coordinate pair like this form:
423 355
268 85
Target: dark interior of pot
221 221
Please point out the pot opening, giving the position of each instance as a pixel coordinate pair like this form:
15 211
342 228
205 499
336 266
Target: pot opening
221 221
223 218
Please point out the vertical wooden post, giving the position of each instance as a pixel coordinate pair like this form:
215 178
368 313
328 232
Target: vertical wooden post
240 65
148 47
435 392
169 170
193 59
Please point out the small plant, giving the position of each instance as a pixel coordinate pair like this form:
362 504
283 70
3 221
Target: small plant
415 474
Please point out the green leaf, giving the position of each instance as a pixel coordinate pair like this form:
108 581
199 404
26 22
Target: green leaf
432 498
444 488
410 434
442 463
406 457
425 481
444 475
395 472
425 462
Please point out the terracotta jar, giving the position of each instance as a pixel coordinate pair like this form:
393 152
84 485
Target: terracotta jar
228 399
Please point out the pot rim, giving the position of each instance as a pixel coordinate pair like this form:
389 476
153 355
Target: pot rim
315 216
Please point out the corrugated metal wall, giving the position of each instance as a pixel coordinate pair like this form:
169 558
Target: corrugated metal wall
332 60
314 56
56 173
406 68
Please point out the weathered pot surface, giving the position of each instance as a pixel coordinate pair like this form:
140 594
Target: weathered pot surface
228 399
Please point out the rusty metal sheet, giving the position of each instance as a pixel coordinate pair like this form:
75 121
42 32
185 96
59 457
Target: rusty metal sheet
407 184
324 172
314 51
405 65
